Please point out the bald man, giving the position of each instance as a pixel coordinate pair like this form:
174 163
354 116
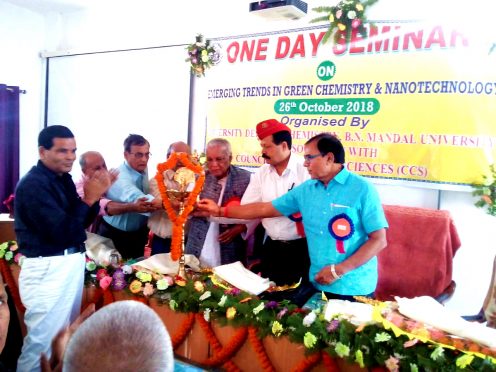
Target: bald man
92 161
158 222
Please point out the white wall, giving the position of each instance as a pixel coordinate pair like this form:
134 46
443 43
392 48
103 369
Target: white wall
155 23
22 36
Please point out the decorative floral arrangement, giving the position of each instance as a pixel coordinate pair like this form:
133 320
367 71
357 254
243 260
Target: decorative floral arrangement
8 252
487 192
179 220
202 55
367 344
346 17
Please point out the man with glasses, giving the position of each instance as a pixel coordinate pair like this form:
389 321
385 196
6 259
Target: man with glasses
129 231
343 216
284 253
213 243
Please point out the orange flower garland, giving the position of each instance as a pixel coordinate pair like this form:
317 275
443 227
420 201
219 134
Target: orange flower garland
183 331
259 348
308 363
178 221
223 354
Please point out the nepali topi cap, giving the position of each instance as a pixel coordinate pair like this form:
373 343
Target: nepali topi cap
270 126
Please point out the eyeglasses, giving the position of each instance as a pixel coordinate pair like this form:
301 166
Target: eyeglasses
309 157
140 155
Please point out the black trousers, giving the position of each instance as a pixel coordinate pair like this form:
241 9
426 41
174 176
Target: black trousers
285 262
130 244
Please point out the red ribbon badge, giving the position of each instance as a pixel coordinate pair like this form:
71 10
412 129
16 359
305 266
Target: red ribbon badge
298 220
341 228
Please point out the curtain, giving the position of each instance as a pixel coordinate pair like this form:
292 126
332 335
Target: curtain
9 143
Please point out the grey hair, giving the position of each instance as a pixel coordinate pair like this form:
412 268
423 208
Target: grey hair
82 157
221 142
122 336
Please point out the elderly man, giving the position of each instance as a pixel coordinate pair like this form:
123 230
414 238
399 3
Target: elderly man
343 216
92 161
284 254
129 231
212 243
50 222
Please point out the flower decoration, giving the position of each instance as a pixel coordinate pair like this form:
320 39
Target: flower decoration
487 192
345 18
369 344
7 252
178 221
202 55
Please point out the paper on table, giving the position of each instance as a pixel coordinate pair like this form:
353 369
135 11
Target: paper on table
427 310
163 264
240 277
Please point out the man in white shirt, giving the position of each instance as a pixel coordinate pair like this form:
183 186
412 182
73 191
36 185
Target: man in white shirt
284 254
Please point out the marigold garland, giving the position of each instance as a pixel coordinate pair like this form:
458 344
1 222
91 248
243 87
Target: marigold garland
224 354
308 363
259 348
183 331
178 220
9 280
329 362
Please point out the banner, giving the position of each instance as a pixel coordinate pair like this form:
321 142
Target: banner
410 102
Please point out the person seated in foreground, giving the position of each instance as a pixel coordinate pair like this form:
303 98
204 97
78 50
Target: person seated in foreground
122 336
4 316
343 218
92 161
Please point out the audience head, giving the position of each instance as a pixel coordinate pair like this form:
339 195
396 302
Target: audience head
4 315
275 139
122 336
219 157
137 152
57 148
324 156
90 162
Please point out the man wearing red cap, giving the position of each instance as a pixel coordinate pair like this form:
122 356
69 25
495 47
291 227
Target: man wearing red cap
284 255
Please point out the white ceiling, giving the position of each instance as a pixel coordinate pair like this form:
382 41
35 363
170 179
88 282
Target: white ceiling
58 6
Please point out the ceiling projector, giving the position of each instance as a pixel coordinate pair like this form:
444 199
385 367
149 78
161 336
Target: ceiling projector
279 9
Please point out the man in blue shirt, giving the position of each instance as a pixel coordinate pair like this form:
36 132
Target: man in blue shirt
129 231
343 218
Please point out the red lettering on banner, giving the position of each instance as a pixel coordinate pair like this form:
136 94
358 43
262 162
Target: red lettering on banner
299 47
261 47
282 42
316 42
436 37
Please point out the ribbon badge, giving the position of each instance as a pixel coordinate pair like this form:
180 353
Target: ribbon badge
341 228
298 219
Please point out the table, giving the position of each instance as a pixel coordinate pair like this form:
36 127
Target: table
6 228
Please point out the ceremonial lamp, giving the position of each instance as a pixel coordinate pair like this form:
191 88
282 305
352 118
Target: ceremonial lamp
175 183
183 178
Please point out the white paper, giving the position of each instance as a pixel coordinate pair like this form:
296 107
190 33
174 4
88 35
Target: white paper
240 277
